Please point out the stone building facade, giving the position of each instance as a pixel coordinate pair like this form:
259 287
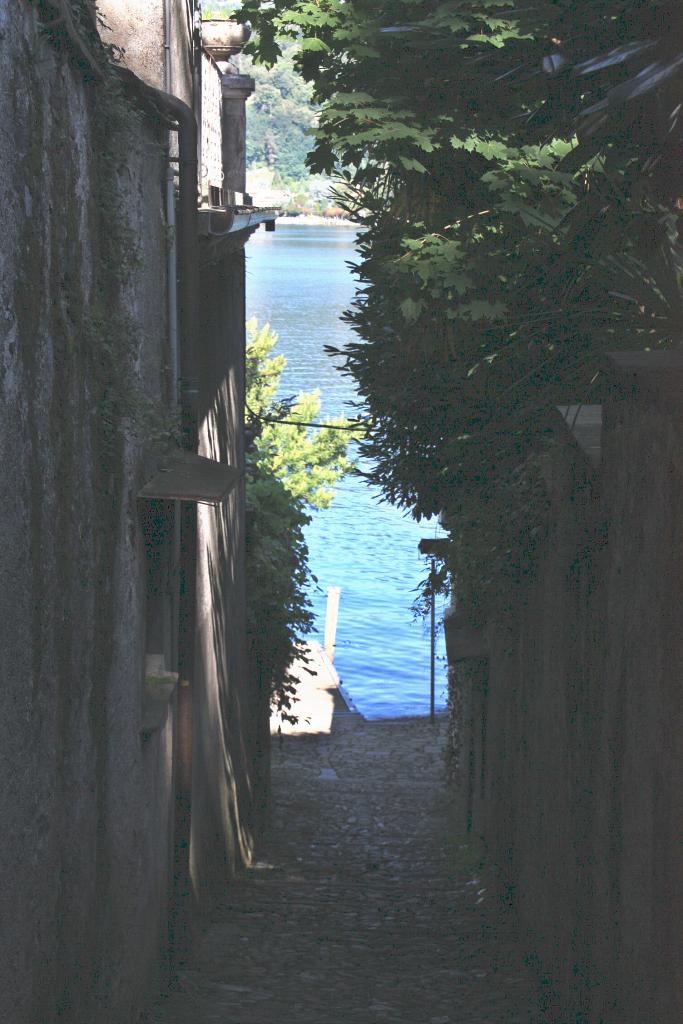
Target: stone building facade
128 731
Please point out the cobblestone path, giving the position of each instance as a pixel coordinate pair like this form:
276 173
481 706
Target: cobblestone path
362 909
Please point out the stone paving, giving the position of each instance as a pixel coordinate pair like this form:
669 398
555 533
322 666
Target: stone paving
362 909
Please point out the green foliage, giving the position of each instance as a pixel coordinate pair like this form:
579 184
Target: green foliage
219 10
281 117
309 462
290 470
518 225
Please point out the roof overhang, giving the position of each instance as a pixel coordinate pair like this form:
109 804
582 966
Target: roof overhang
216 222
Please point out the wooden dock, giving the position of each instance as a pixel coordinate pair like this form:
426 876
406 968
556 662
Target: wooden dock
321 698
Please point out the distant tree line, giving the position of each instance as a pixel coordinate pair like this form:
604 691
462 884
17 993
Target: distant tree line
281 116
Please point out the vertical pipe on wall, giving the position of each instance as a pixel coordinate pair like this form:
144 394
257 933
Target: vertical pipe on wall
172 314
197 76
172 244
181 116
182 742
189 377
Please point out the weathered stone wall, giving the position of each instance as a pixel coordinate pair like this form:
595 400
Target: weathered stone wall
223 709
571 756
222 799
639 804
86 801
138 30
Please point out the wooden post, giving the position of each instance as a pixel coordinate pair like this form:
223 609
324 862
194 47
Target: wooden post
331 616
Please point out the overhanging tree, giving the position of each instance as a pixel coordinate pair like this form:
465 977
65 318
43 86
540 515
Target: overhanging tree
517 174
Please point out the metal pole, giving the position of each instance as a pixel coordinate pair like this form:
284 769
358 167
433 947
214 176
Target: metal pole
331 620
433 647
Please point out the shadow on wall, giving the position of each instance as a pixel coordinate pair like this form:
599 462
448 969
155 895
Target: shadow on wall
571 739
228 775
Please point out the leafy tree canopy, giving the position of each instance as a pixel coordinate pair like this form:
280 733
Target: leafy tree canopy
517 170
281 114
281 117
290 469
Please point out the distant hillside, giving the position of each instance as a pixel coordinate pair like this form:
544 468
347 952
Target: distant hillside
279 116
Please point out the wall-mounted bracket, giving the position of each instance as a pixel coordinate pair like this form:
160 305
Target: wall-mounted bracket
184 476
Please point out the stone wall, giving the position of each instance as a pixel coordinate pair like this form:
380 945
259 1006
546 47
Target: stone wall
572 740
138 30
86 798
98 809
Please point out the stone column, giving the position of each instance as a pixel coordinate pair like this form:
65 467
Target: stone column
236 91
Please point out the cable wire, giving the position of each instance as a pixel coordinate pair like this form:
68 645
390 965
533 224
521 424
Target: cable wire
357 425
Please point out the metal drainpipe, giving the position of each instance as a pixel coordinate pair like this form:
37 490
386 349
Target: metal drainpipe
188 269
181 119
188 251
181 116
172 293
182 740
197 74
172 254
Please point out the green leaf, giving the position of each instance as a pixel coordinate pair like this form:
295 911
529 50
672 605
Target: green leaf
411 309
411 164
314 45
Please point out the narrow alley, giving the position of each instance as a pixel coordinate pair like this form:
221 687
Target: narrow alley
363 907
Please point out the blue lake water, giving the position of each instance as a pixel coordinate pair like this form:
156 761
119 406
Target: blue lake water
299 281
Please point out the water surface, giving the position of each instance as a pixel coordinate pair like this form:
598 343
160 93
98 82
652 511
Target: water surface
299 281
